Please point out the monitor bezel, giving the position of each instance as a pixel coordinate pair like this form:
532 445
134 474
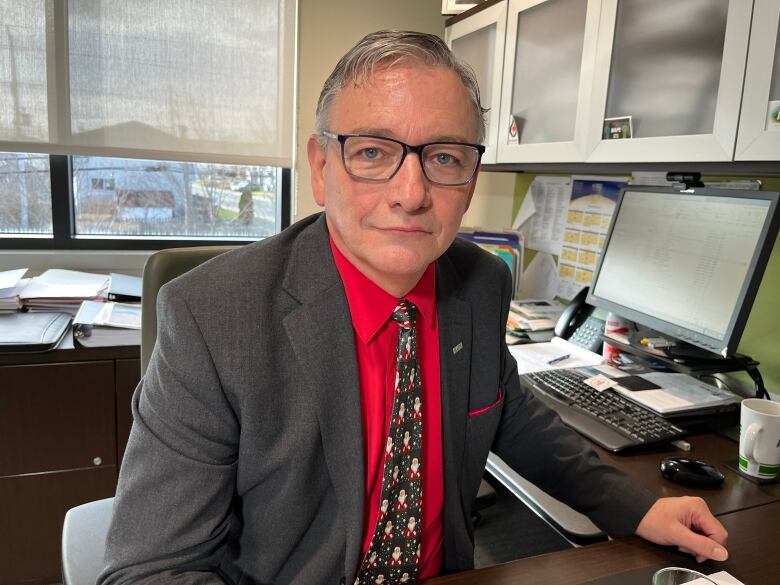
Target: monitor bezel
728 344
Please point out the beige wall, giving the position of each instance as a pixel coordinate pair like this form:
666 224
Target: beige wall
326 31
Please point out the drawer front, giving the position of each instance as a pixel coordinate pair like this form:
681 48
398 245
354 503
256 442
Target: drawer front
56 417
31 515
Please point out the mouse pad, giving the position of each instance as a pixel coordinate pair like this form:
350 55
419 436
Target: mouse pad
734 466
636 383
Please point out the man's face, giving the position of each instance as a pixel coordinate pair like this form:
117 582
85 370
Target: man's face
392 230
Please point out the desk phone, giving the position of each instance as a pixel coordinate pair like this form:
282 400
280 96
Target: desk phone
579 326
588 335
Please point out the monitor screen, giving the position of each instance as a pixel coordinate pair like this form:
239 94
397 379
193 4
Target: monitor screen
687 263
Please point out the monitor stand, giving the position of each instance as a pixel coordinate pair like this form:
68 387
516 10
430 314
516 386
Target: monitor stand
688 359
681 357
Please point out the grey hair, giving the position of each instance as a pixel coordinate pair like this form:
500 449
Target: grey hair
388 48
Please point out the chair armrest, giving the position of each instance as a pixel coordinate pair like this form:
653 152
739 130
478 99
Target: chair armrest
573 526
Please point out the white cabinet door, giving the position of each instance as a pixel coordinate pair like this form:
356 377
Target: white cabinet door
759 124
479 41
548 64
676 67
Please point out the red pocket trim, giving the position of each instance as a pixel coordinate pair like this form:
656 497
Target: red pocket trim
489 406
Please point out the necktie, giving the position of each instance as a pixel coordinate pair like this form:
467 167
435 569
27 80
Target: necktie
394 553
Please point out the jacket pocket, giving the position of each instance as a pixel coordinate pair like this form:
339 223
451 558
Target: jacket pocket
498 401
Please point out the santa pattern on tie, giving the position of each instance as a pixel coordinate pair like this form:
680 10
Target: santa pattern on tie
394 553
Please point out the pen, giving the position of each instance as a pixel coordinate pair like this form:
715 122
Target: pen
558 359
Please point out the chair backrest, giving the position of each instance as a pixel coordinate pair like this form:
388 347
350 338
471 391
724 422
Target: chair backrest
84 541
161 267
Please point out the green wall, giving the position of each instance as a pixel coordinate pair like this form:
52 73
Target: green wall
761 339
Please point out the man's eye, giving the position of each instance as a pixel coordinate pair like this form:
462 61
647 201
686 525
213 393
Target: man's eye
370 153
444 159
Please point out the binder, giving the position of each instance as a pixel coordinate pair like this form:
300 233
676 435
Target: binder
32 332
124 288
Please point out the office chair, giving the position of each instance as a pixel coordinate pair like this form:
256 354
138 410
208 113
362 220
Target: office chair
86 527
84 541
161 267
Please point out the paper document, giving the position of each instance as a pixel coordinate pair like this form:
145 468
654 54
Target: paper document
678 393
57 283
9 298
533 315
543 217
539 308
540 278
526 211
9 279
558 353
105 324
723 578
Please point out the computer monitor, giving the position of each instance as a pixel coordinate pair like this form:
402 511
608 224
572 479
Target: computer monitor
687 263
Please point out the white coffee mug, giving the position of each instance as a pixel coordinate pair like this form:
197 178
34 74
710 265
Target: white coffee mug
759 438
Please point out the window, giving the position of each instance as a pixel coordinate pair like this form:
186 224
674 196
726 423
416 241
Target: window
133 203
142 198
165 120
25 195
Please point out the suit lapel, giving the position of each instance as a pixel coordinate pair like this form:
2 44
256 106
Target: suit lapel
320 331
454 353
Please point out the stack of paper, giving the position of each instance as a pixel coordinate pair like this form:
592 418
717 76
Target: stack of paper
558 353
507 245
62 290
534 315
11 286
99 324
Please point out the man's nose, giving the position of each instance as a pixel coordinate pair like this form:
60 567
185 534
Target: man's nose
409 186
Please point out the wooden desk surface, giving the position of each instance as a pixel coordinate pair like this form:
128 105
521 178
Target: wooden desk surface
67 352
752 542
736 493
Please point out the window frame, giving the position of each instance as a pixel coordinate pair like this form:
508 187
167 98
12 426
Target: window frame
64 222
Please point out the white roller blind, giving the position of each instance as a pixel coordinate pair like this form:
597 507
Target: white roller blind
175 79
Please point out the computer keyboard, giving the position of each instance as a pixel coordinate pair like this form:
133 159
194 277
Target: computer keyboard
605 417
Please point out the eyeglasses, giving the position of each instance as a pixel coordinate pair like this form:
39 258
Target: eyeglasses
376 158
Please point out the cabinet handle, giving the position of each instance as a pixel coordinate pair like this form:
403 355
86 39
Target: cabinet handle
97 461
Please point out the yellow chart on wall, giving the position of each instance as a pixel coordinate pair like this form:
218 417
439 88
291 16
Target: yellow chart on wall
591 205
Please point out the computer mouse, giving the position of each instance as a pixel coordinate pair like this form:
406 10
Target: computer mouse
690 472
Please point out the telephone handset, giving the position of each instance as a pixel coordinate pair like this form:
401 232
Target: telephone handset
579 326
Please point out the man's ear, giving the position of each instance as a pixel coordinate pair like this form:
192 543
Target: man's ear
317 165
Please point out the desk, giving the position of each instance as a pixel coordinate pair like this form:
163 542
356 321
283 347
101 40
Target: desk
752 543
64 421
737 492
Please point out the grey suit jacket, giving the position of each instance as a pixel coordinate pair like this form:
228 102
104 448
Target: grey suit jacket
245 461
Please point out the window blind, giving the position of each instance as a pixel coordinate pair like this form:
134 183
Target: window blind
176 80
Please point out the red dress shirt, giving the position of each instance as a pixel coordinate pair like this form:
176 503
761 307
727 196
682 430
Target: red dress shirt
376 335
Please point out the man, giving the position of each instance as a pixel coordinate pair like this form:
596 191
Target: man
266 446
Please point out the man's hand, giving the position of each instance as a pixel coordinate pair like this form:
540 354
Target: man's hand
688 524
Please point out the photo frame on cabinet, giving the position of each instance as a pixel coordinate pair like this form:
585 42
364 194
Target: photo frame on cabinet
456 6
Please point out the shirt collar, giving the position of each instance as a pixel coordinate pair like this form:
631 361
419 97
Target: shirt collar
371 306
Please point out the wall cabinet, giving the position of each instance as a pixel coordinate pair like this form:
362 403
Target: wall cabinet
676 68
479 41
759 137
549 56
64 422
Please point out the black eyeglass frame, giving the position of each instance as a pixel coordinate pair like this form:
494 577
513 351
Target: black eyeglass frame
342 138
